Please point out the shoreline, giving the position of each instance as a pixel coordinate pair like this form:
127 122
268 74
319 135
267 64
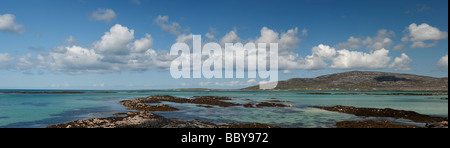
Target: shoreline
431 122
144 118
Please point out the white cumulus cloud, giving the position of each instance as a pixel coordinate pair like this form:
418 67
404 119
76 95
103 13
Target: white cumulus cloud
8 24
143 44
401 63
106 15
352 43
443 62
230 37
358 60
380 41
116 51
115 41
76 60
421 34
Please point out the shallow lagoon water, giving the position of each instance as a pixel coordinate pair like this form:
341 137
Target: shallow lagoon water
41 110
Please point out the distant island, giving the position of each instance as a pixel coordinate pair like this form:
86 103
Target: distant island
363 81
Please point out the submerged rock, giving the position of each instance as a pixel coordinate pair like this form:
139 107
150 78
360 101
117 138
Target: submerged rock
374 112
443 124
252 125
149 120
132 118
201 101
267 104
145 119
378 94
371 124
139 105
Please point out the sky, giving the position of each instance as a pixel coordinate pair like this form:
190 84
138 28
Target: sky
125 44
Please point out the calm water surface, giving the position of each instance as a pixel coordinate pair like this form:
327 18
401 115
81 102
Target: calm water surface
41 110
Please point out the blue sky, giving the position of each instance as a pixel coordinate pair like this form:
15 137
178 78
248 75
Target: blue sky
38 39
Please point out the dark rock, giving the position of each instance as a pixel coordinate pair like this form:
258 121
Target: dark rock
138 105
374 112
371 124
249 105
205 106
149 120
252 125
204 100
111 122
379 94
443 124
201 101
267 104
277 101
144 119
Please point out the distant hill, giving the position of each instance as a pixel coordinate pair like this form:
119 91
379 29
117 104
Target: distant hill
364 81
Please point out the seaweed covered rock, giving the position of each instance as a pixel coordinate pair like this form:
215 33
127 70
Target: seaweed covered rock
387 112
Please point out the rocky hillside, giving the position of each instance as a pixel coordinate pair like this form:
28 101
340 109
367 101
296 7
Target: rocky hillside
364 81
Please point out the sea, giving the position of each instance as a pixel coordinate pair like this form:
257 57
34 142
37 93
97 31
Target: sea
33 110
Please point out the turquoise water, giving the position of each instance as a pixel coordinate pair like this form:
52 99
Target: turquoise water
41 110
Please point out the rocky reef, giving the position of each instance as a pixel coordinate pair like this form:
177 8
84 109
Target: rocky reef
201 101
140 106
371 124
378 94
387 112
442 124
141 119
145 119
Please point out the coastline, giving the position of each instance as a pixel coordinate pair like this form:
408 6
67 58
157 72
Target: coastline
431 122
144 118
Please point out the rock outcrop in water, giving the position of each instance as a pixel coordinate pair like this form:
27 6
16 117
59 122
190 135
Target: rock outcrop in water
374 112
442 124
371 124
380 94
140 106
142 119
432 122
145 119
201 101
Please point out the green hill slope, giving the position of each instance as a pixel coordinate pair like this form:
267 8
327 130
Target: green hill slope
364 81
